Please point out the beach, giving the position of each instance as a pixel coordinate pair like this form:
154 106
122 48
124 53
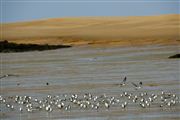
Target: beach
80 70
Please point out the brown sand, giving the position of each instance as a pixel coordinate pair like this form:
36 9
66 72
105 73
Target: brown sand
124 31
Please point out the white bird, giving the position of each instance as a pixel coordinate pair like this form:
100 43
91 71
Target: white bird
67 108
124 105
7 75
142 105
48 108
20 109
106 105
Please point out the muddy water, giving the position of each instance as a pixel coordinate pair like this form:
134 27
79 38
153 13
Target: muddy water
96 70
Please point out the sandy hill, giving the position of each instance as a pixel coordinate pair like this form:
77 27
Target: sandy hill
135 30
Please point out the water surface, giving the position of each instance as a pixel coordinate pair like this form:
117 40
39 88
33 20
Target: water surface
92 69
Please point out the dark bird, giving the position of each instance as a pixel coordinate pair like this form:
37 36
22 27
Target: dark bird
137 86
123 82
47 83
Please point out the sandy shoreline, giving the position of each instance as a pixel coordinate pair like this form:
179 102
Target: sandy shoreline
98 71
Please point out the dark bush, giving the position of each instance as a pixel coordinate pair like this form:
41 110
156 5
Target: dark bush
6 46
175 56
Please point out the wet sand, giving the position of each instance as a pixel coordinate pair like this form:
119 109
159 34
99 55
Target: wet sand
95 70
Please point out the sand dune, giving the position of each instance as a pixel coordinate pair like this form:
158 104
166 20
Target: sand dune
125 31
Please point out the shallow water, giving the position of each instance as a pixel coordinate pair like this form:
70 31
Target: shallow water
95 70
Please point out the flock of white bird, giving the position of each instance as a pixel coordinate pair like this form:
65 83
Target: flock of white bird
88 101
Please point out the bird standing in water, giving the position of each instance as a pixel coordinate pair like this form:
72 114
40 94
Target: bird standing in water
123 82
137 86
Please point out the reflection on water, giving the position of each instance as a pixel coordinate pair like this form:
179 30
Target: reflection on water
95 70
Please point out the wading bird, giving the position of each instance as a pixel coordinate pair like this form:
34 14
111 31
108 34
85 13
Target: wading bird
137 86
123 82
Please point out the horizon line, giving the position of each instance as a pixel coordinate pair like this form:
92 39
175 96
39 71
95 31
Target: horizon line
89 1
39 19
